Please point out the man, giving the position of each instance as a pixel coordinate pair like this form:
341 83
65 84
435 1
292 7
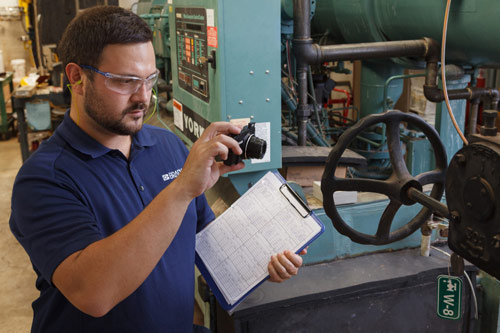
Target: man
111 240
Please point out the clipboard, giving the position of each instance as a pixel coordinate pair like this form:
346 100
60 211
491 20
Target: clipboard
290 204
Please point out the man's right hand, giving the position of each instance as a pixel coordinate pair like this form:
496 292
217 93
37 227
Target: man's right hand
201 171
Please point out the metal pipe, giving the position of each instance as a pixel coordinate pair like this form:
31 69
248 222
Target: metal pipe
287 99
363 51
371 142
311 53
307 53
427 201
316 54
494 104
301 10
434 94
290 135
315 137
431 74
302 34
473 116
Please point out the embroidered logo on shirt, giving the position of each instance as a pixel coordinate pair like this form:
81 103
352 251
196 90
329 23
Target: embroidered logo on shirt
171 175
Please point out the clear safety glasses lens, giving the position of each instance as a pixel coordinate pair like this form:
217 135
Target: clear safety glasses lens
128 84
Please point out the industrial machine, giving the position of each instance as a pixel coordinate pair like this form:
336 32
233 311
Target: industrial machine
271 63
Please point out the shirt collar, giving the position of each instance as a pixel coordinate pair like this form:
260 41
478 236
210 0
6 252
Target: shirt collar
85 144
143 138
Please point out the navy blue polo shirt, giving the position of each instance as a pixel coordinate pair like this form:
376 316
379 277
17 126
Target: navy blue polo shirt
74 191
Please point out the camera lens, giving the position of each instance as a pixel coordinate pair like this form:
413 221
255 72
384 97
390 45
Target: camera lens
255 147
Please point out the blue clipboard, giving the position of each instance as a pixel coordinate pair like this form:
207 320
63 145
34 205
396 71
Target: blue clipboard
295 202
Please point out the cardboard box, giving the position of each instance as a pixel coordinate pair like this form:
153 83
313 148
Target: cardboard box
339 197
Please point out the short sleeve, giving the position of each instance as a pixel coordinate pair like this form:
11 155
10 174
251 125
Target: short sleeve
50 221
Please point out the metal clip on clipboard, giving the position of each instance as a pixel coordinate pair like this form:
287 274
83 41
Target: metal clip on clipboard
299 205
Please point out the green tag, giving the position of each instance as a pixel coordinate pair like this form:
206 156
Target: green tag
449 297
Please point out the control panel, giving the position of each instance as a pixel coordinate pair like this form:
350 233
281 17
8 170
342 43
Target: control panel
192 55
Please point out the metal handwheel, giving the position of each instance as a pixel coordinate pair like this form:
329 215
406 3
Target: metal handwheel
401 187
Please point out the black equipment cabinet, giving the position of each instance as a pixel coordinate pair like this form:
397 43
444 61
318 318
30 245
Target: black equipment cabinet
383 292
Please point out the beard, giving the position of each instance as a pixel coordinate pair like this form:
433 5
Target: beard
96 110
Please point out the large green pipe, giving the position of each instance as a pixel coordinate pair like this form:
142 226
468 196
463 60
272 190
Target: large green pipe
472 27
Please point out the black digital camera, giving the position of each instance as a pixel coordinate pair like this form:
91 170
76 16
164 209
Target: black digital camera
252 146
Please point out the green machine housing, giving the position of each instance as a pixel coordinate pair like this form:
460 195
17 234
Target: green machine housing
223 71
226 66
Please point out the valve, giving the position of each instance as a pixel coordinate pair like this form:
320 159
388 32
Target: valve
401 187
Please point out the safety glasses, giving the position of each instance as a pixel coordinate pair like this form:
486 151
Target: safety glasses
125 84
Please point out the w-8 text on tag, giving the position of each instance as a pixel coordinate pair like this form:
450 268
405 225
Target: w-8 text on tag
449 297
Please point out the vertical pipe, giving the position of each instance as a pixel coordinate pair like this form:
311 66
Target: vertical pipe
473 116
302 33
431 74
301 10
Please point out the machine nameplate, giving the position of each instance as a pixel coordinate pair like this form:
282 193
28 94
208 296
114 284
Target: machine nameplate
189 122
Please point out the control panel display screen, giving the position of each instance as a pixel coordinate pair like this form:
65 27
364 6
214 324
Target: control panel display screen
192 55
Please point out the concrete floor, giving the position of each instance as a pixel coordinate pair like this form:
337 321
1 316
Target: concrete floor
17 279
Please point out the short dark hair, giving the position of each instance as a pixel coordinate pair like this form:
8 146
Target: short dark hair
94 28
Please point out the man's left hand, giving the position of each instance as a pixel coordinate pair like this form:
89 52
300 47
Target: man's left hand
284 265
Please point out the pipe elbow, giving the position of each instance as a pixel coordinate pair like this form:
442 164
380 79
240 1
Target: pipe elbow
306 51
433 51
495 95
433 94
